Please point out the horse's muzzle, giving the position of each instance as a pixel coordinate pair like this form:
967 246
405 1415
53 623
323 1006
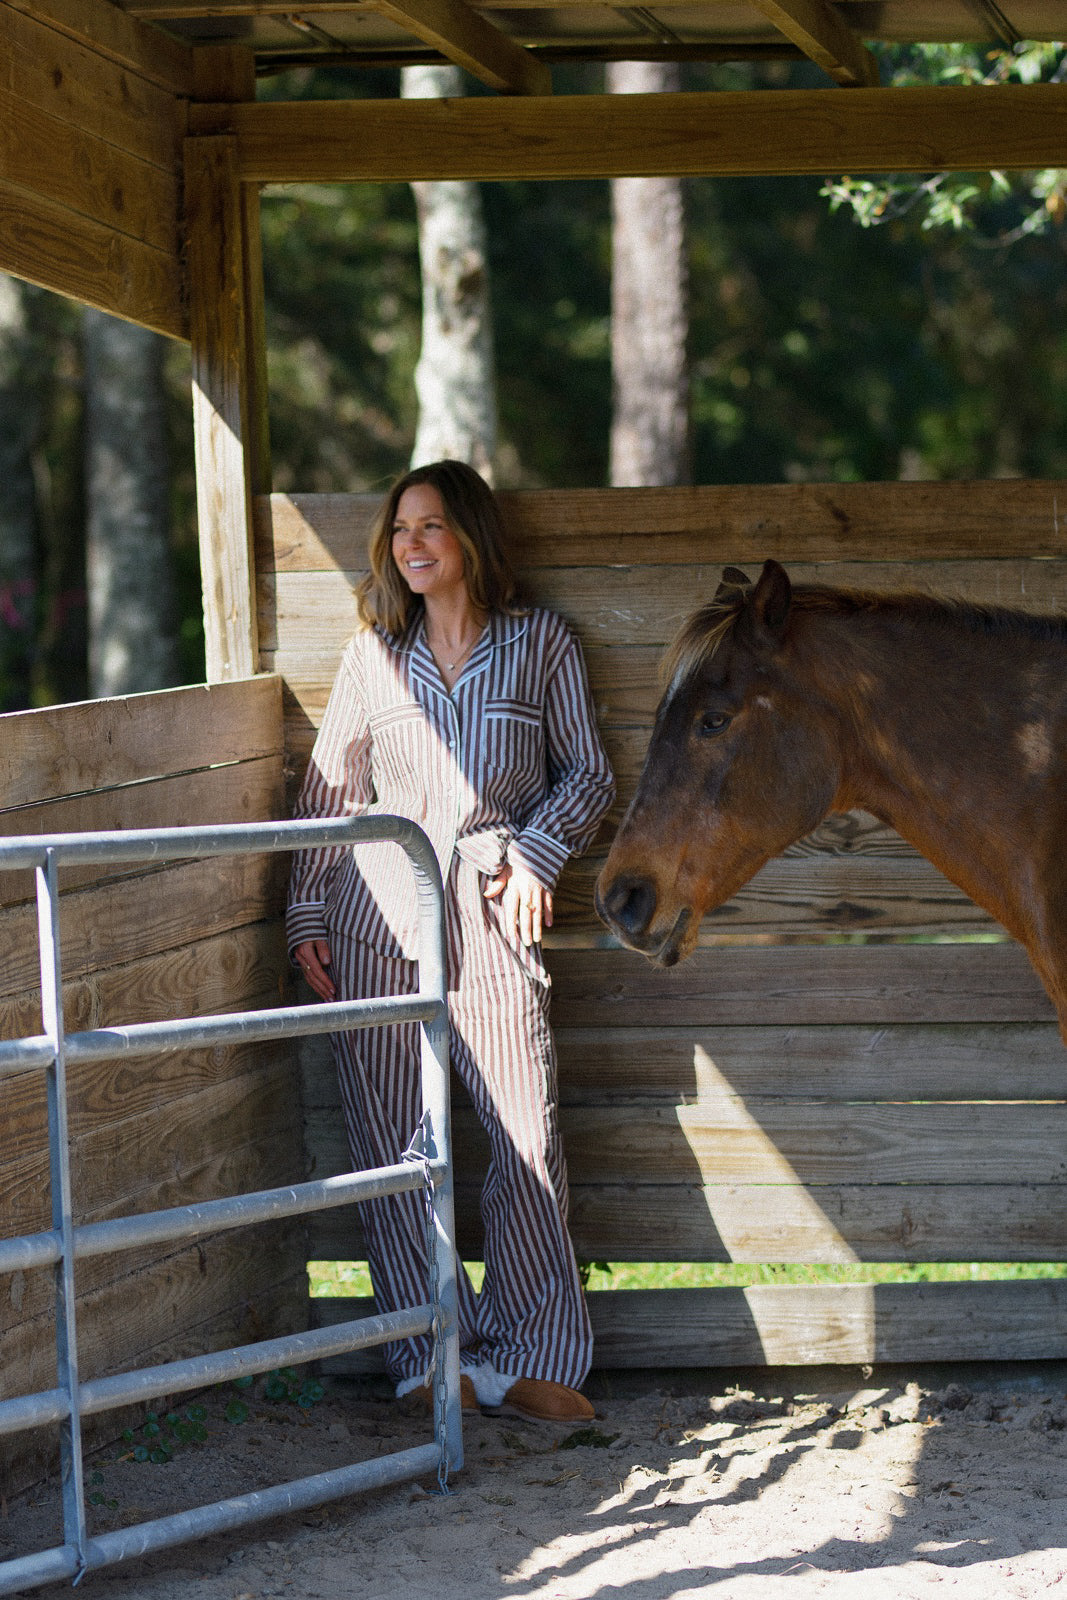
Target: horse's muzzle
628 906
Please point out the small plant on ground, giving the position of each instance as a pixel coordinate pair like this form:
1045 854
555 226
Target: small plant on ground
157 1437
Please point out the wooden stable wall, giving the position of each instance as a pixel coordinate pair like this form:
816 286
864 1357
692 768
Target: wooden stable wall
778 1098
140 944
93 107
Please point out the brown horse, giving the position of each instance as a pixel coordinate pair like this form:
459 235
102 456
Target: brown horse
946 720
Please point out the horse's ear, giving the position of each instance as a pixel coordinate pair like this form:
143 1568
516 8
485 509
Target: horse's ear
732 580
769 603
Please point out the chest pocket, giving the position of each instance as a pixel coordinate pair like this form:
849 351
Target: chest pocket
514 738
399 733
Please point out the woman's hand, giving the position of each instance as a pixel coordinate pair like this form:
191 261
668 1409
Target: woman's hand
312 956
526 904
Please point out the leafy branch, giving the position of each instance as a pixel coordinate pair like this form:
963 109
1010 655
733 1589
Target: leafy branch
963 201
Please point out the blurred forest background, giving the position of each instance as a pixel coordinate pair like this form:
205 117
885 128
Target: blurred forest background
834 331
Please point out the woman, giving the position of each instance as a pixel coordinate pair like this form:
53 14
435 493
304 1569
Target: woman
458 707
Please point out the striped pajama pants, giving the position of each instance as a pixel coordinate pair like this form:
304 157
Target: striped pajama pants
530 1318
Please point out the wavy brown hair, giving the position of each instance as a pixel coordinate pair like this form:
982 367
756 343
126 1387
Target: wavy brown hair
473 515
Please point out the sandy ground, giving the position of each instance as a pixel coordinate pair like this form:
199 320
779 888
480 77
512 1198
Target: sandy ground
835 1483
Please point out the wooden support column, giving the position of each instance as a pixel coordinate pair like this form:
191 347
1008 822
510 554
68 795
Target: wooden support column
229 395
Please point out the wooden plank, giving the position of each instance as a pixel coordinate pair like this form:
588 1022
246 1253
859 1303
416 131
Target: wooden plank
216 276
49 245
124 920
819 30
468 39
646 606
799 985
53 72
838 1223
800 1145
98 181
919 1061
723 1223
66 750
249 791
108 30
712 524
766 1142
1009 127
650 1065
768 1325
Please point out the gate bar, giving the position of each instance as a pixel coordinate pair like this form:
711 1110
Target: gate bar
61 1246
219 1366
209 1216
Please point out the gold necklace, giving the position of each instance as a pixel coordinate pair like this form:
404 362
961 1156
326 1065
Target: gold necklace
450 666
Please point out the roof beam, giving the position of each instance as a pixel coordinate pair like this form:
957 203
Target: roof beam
770 131
467 39
816 28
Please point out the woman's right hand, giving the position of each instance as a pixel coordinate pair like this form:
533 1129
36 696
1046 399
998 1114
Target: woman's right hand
312 956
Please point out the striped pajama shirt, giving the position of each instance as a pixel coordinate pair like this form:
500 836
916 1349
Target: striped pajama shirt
508 768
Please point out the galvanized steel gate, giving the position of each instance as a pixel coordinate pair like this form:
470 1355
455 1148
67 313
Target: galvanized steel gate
427 1165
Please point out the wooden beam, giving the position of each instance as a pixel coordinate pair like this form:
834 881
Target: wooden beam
1009 126
466 38
218 325
817 29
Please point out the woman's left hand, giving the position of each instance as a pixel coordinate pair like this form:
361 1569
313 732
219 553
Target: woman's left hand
526 904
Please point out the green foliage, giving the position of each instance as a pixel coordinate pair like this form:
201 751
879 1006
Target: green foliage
336 1277
158 1437
1000 207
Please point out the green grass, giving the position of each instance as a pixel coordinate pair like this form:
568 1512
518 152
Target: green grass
340 1278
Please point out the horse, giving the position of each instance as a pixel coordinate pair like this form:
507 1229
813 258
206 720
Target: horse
785 703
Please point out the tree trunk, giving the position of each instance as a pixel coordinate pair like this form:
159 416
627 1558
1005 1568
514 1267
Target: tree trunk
132 644
454 378
23 370
649 315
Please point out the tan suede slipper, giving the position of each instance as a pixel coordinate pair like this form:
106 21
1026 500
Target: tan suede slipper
541 1400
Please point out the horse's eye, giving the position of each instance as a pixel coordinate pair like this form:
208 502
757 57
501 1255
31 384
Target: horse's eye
713 722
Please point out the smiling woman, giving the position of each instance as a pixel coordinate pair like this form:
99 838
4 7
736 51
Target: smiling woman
458 707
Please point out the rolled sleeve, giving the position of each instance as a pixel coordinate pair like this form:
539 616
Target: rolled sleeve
582 785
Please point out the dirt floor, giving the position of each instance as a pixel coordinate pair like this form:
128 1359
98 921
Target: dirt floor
836 1483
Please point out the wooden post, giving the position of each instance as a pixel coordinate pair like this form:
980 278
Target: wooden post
225 327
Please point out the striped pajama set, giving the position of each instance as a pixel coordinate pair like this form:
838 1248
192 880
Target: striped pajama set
508 768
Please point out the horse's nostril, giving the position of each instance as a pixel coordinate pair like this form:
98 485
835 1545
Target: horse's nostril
630 903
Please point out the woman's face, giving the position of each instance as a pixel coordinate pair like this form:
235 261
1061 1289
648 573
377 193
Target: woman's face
427 553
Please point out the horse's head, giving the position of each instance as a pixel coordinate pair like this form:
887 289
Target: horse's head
740 764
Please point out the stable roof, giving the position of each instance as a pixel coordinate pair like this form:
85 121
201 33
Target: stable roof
512 46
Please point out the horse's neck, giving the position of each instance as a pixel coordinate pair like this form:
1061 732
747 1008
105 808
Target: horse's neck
929 743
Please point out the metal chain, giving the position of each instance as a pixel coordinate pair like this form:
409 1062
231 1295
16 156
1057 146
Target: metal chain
418 1151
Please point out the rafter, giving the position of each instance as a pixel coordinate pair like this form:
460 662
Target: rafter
816 28
468 40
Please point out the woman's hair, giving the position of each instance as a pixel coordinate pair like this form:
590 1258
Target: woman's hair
473 515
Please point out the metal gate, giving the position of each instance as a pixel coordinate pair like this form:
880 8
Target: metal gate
427 1166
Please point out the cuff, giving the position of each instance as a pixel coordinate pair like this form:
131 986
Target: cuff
305 921
486 851
539 854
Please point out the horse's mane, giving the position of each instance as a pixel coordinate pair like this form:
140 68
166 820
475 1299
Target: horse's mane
701 635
